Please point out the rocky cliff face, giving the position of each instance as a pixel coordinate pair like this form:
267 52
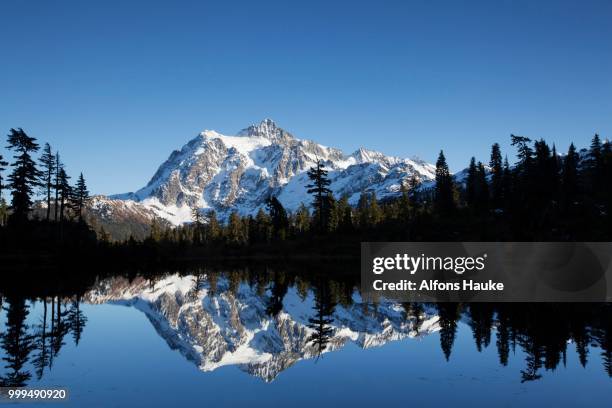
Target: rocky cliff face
233 327
227 173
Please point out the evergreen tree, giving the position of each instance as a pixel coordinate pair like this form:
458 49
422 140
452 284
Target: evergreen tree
197 218
525 153
448 314
76 320
496 176
594 168
155 234
595 151
544 177
263 227
404 206
47 161
234 229
25 175
523 184
80 197
470 184
320 323
482 189
58 167
213 229
65 192
278 215
376 214
570 177
444 193
17 344
345 215
320 191
555 170
363 210
506 184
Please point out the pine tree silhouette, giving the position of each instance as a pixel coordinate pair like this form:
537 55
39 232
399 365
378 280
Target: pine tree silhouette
319 188
496 176
80 197
47 161
25 175
444 193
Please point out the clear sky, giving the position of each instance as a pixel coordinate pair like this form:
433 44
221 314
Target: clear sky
117 85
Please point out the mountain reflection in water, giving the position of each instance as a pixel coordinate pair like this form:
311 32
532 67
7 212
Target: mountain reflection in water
263 323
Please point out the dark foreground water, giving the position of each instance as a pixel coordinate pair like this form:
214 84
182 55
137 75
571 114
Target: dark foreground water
273 339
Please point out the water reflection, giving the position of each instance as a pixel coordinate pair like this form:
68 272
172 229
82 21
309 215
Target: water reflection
263 323
37 343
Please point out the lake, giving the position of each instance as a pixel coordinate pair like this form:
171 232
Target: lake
245 337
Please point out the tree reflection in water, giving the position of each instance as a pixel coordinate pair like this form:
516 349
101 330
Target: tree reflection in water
545 333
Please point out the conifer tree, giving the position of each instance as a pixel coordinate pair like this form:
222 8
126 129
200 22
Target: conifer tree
80 197
213 229
363 210
470 184
196 216
404 206
595 151
594 168
496 176
47 161
482 189
524 188
506 183
331 213
278 215
25 175
156 231
319 188
234 229
525 153
65 192
345 215
58 167
444 194
570 176
544 177
555 170
263 227
376 214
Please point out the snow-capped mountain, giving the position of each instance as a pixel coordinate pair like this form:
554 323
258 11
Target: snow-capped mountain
227 173
221 327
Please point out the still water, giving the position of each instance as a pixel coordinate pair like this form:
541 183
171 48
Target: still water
274 339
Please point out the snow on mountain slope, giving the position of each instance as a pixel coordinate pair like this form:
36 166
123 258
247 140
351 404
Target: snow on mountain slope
227 173
233 328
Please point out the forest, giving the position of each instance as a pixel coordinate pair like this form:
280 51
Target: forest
544 196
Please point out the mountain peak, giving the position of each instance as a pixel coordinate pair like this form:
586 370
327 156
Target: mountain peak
237 173
266 128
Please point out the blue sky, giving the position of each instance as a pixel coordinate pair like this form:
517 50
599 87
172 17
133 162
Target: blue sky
117 86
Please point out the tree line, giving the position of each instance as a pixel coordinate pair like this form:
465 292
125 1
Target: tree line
48 175
59 215
543 196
